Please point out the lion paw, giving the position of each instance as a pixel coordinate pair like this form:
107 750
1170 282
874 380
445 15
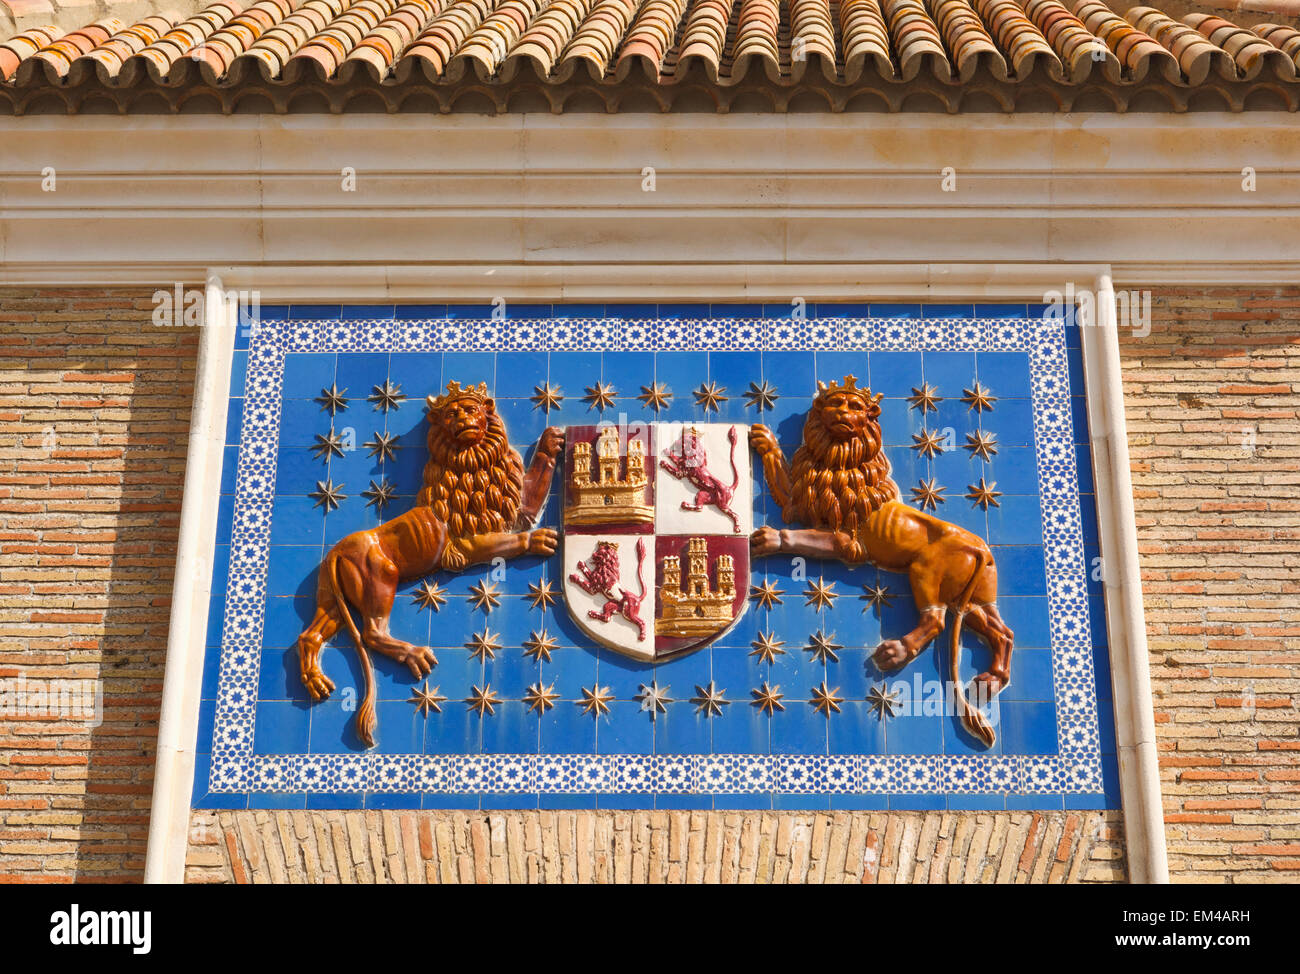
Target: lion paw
318 684
987 685
890 655
551 444
761 440
542 541
764 541
420 660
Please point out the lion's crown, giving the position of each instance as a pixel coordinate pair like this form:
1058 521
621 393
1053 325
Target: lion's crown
850 386
456 391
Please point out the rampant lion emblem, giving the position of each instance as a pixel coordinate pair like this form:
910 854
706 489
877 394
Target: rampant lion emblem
689 461
840 485
601 577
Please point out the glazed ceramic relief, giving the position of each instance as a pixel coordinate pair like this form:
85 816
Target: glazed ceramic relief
657 557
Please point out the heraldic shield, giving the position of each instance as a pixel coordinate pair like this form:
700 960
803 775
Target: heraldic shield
657 519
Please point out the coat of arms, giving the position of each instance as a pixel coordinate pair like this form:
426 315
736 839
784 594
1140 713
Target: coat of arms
657 521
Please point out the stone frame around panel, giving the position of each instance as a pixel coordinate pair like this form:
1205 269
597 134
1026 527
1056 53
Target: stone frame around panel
1076 769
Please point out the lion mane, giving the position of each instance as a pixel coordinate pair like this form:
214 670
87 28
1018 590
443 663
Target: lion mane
602 568
474 489
838 485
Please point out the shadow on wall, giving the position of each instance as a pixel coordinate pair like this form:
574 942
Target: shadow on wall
100 398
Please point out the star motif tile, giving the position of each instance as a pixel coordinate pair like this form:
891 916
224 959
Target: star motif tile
709 700
595 700
927 495
825 701
876 596
983 445
929 443
329 445
388 396
761 396
979 398
547 397
768 699
430 596
328 495
820 594
332 400
484 701
483 595
710 396
541 595
655 396
540 645
426 700
766 594
382 445
767 647
926 398
654 698
484 645
379 495
824 648
883 701
600 396
984 495
541 698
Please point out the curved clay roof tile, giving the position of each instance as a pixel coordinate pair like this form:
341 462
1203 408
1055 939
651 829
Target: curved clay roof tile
1079 50
865 38
597 37
1251 52
546 37
1285 39
757 26
812 33
107 59
390 42
1137 51
380 49
1195 54
967 40
916 39
650 38
1016 35
704 37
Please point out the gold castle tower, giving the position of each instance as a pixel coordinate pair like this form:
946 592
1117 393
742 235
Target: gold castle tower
696 611
608 499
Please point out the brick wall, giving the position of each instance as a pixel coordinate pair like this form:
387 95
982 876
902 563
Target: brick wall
87 536
94 416
1214 436
655 847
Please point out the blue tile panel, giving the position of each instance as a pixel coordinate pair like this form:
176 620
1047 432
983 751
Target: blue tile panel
264 744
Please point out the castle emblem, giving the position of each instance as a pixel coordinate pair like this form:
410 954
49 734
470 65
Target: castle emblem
656 549
695 610
612 497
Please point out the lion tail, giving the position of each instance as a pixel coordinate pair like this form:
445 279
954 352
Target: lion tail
640 564
974 721
971 717
734 437
366 719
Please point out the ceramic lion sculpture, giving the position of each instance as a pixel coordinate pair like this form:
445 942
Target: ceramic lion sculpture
840 487
476 502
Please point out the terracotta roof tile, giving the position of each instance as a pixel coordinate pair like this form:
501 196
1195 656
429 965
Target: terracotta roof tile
865 39
1060 49
1285 39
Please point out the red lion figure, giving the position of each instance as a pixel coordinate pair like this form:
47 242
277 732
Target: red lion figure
600 577
690 463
